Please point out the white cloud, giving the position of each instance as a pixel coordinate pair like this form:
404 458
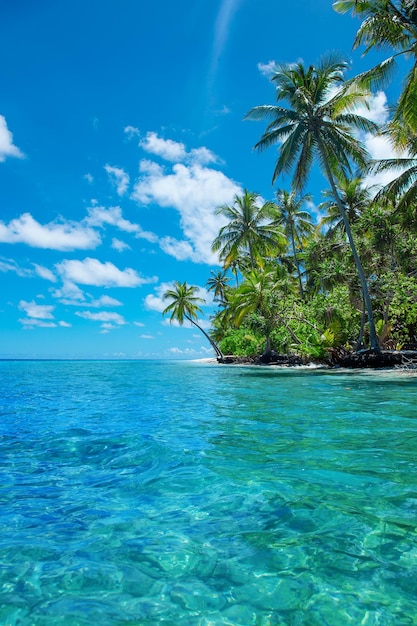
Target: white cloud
119 178
194 191
139 324
37 311
131 131
103 316
105 301
64 324
58 235
94 272
164 148
118 245
45 273
89 178
267 69
9 265
7 147
377 109
379 147
146 337
69 293
99 215
32 322
181 250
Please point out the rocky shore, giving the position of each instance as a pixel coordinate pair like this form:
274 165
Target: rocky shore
337 358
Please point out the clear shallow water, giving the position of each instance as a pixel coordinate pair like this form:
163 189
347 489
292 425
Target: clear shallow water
139 493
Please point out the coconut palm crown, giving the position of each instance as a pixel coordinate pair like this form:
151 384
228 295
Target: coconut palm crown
388 24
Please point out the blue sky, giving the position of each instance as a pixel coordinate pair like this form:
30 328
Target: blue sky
120 131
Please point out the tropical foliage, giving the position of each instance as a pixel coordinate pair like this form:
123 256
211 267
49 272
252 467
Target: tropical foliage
347 277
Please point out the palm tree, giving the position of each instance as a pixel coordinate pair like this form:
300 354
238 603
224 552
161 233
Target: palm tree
355 197
318 123
249 230
388 23
297 224
184 306
218 283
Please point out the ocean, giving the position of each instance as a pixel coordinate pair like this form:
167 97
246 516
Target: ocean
187 493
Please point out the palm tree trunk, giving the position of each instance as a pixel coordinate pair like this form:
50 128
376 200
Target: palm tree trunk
296 261
217 350
375 345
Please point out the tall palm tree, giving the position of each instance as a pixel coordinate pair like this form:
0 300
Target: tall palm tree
318 123
184 306
296 223
388 23
249 230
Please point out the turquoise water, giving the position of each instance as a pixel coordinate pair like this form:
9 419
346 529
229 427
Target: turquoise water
190 494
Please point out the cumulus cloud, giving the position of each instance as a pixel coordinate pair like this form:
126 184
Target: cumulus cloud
165 148
119 178
103 316
94 272
194 190
37 311
7 147
99 216
89 178
175 151
58 235
69 293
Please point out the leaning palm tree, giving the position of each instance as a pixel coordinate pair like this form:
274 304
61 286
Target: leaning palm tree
296 223
393 24
249 230
184 306
318 123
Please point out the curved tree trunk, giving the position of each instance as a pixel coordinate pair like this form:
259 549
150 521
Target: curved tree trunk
216 349
375 345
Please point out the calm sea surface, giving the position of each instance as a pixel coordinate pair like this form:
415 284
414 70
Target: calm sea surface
150 492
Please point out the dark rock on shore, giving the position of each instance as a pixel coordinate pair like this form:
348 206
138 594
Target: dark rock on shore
375 359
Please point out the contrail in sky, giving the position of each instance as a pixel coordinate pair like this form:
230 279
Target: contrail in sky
226 12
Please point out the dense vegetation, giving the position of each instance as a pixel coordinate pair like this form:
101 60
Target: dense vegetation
295 286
